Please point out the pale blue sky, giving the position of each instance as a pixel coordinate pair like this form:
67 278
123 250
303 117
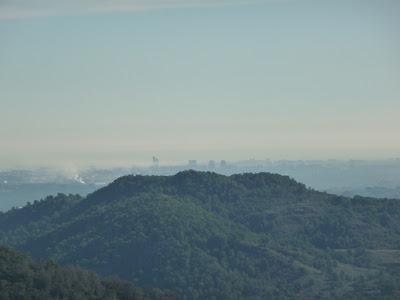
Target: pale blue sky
94 83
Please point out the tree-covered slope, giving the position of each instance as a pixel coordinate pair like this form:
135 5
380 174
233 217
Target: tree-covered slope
23 278
208 236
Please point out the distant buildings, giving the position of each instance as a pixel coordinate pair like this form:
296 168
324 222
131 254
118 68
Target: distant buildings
223 164
211 164
156 161
192 163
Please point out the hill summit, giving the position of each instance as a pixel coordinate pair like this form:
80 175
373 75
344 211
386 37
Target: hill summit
209 236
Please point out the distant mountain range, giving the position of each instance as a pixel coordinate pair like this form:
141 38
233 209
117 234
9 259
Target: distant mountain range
209 236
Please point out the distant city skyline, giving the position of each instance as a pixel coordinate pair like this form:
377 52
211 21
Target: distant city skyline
98 83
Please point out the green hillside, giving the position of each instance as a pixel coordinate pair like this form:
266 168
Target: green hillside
209 236
23 278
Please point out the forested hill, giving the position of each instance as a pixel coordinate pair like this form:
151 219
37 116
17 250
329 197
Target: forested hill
209 236
23 278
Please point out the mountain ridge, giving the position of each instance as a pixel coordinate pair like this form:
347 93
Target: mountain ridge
205 235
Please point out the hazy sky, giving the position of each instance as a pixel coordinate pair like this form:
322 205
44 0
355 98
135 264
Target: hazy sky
113 82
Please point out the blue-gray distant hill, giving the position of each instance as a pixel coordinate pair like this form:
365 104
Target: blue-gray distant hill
209 236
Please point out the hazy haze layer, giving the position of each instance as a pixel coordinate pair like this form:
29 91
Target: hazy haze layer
95 84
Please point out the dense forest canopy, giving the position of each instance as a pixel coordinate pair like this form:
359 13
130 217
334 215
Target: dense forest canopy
209 236
23 278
